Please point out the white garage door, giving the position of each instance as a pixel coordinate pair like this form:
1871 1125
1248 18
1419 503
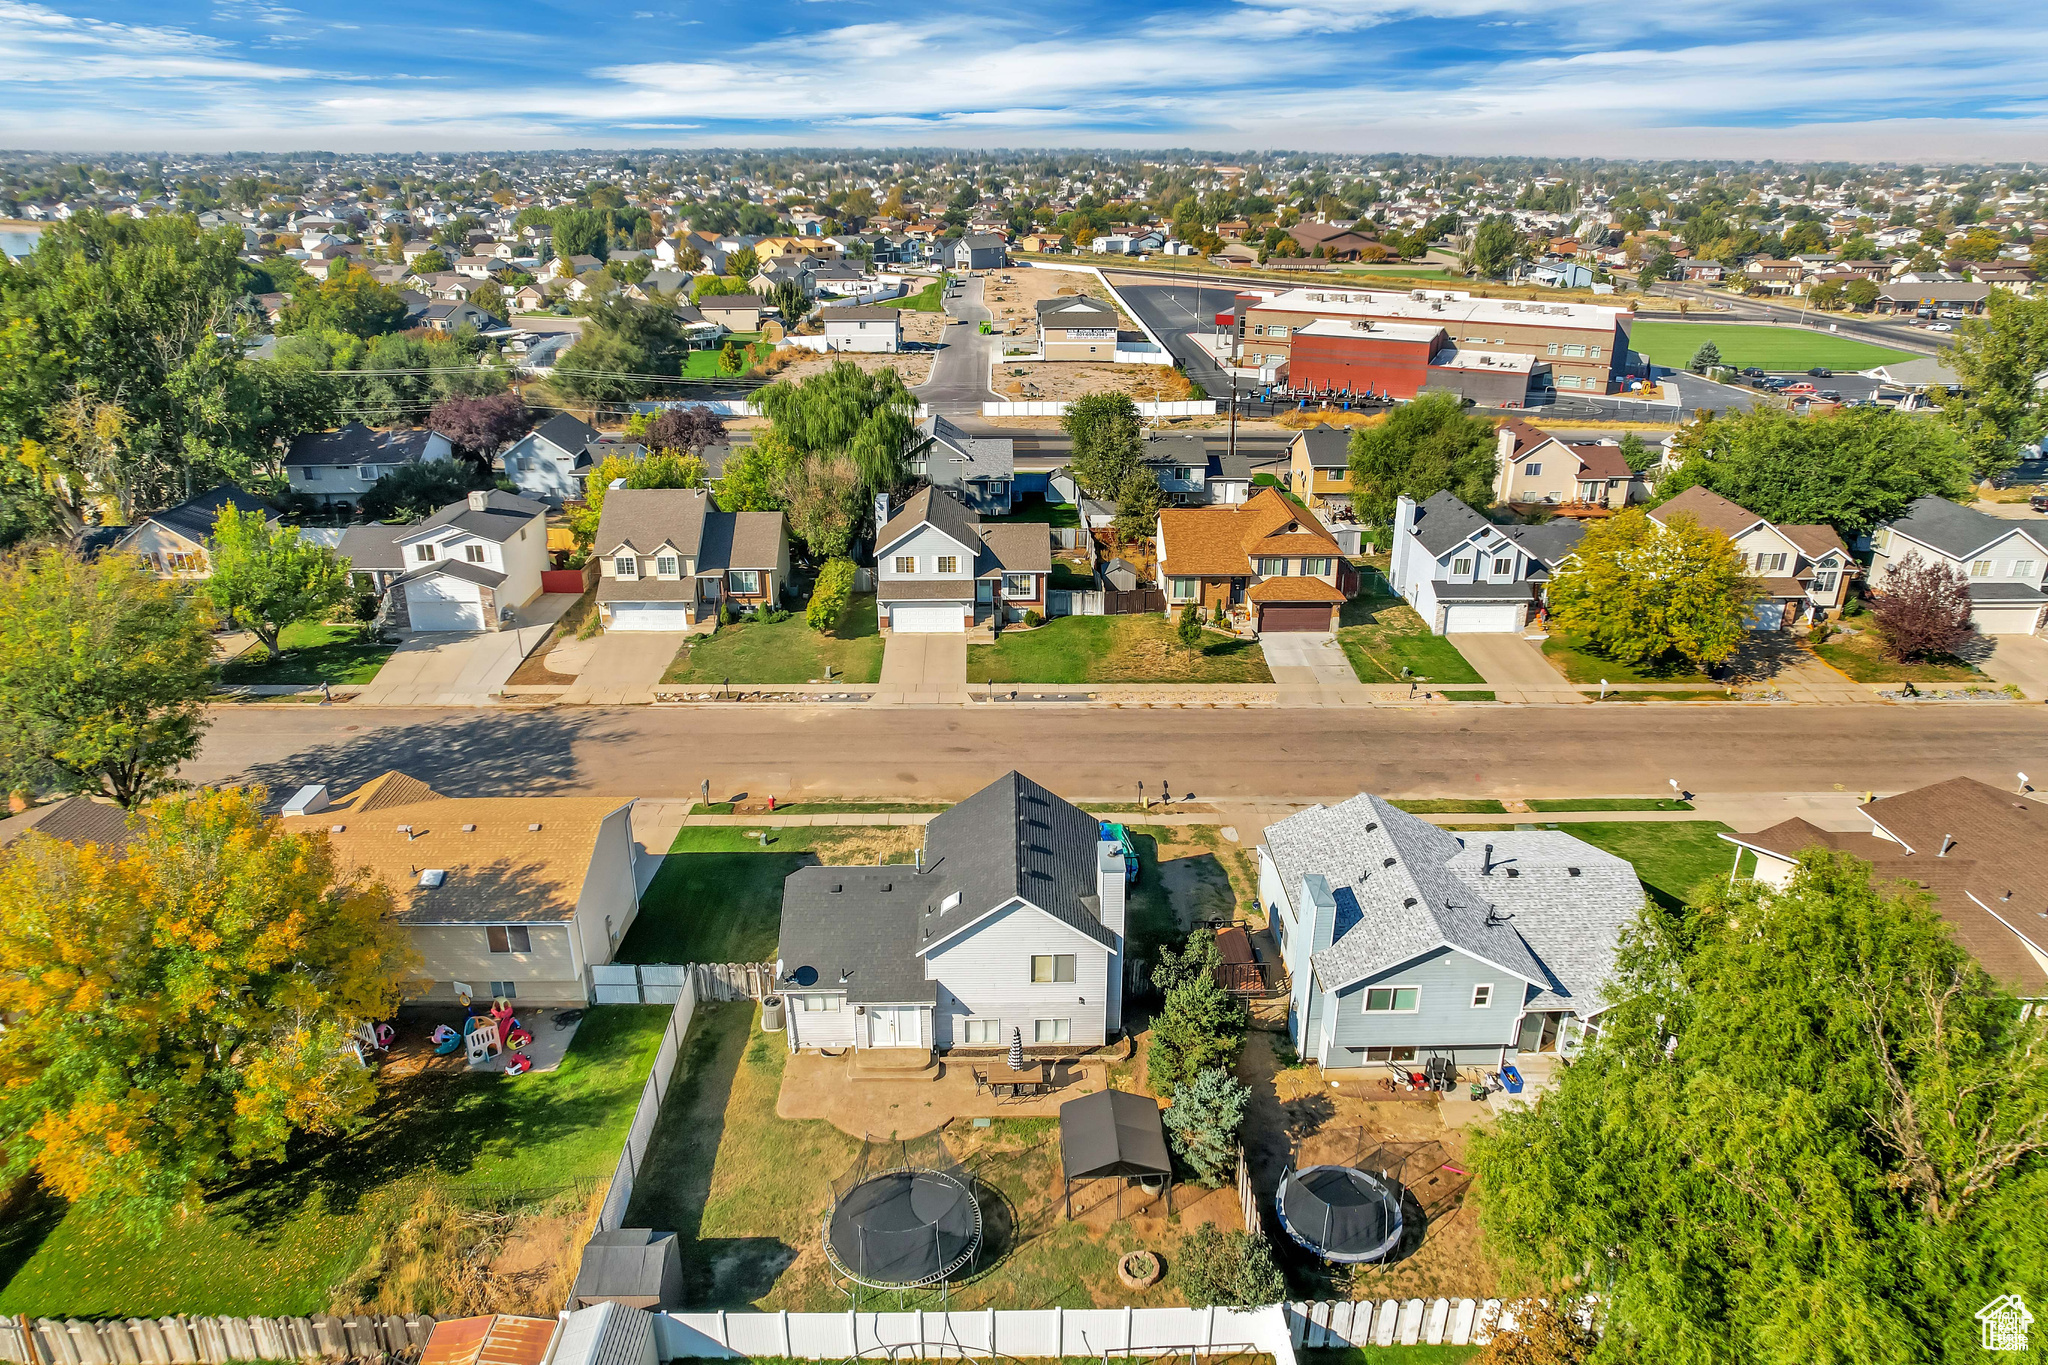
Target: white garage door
947 619
649 616
432 611
1482 618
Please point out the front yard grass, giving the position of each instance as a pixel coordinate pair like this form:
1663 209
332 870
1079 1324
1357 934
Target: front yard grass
1381 635
1861 657
786 651
314 652
1671 857
929 299
276 1240
1609 803
1452 806
1140 648
1577 660
704 364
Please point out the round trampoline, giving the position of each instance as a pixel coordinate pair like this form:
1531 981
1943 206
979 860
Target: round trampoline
1341 1213
904 1216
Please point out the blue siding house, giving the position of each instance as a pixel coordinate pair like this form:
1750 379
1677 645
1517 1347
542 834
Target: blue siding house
1404 941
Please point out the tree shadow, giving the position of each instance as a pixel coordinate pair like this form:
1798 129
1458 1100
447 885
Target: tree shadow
482 753
712 907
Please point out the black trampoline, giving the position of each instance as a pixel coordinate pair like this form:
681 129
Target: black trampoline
1341 1213
904 1216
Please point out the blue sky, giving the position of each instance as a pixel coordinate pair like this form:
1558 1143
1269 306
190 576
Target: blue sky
1787 79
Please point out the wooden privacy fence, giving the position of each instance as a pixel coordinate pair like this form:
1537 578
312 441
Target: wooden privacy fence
1134 602
210 1340
663 983
1247 1197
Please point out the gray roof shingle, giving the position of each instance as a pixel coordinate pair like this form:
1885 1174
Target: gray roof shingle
357 444
1955 530
1441 521
502 516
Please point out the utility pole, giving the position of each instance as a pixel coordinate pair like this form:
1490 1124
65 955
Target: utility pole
1232 377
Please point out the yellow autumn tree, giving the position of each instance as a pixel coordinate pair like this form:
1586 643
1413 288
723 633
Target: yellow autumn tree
181 1008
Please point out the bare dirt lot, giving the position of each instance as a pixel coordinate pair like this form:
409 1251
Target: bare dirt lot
1012 296
914 367
1053 380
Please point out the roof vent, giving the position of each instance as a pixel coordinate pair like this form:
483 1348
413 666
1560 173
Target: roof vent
1371 825
1571 871
950 901
1386 862
533 829
835 888
406 830
888 887
336 829
1408 903
469 829
433 876
1514 872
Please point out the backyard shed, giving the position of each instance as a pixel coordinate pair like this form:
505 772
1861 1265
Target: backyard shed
637 1267
607 1334
1113 1135
494 1339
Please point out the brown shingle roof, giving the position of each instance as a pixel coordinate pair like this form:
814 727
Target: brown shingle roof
1294 590
75 820
1221 540
1709 509
1815 541
1601 462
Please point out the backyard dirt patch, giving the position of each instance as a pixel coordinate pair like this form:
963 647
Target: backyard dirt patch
1057 380
1017 300
913 367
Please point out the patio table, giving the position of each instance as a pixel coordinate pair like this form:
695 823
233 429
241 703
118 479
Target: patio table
1008 1082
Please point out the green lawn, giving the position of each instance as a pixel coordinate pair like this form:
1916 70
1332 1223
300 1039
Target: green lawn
1140 648
1421 1354
1672 344
1401 272
1035 508
1452 806
1861 656
1671 857
1469 696
314 652
1381 635
1611 803
929 299
704 364
1571 656
718 895
277 1240
1693 694
787 651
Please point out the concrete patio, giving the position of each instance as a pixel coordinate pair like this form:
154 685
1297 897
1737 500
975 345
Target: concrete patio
815 1086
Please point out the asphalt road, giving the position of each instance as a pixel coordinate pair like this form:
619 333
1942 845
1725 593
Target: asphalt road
1083 753
958 385
1172 310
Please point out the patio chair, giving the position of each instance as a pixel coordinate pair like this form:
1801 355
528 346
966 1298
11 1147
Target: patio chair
981 1085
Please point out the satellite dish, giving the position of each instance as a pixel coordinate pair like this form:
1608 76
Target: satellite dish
805 976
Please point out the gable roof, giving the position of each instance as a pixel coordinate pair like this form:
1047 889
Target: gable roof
962 456
372 546
500 872
1328 447
1709 509
643 519
934 507
1015 547
1222 539
1550 543
566 431
1442 520
502 516
358 444
1955 530
193 519
75 820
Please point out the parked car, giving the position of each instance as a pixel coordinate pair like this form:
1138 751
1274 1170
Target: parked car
1821 372
1831 395
1941 327
1801 387
2039 502
1752 372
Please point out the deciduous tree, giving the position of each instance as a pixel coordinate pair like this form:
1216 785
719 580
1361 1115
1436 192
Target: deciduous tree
1422 448
419 489
265 576
657 469
1108 442
1645 593
104 673
1494 243
1923 608
1137 504
182 1009
829 596
691 428
2000 357
349 300
1233 1268
479 427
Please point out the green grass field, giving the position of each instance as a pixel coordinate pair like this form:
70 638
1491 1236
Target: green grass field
704 364
314 652
1573 657
1671 857
1672 344
1382 635
782 652
1114 649
930 299
279 1238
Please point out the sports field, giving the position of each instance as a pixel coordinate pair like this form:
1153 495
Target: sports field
1672 344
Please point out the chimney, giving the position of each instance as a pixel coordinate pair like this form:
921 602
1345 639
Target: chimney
1109 892
480 500
1404 514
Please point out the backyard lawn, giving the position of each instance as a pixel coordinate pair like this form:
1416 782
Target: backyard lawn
314 652
1573 657
787 651
1381 635
1672 345
718 895
1034 507
278 1240
704 364
1671 857
1596 803
929 299
1861 656
1140 648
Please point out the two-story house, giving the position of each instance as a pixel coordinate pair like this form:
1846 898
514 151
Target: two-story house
1266 561
1319 469
178 541
1466 576
1404 941
1534 467
1076 327
1805 570
1192 475
1012 918
335 468
2005 561
940 571
550 462
862 328
668 557
979 472
471 565
979 251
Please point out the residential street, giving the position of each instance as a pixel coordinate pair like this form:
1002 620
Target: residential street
959 378
1088 753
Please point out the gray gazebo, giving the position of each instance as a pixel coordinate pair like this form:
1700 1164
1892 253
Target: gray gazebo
1113 1135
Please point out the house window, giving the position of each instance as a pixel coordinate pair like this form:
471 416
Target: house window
1050 968
1393 999
906 563
626 566
1019 585
983 1030
1051 1030
1461 567
1981 569
1533 467
1503 564
1824 581
948 564
820 1004
473 553
1182 589
424 553
313 475
1482 996
1390 1054
1182 474
1315 566
504 990
1272 568
746 582
508 938
2023 568
1770 563
1592 352
1552 349
668 566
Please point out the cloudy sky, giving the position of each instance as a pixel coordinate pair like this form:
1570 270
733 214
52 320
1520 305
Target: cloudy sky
1788 79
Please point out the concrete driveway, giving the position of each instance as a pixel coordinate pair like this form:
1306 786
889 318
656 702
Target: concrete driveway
923 668
2021 660
625 666
1306 658
461 668
1511 664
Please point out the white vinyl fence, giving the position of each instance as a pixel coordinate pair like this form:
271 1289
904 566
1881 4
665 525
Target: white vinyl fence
1065 602
1195 407
1047 1333
649 1112
662 983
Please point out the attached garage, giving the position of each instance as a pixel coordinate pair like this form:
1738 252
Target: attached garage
1293 616
2000 619
649 616
1482 618
440 603
928 618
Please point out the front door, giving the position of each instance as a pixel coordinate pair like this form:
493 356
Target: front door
892 1026
985 591
1237 592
